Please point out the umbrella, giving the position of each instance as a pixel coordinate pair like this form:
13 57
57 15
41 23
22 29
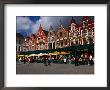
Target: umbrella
42 54
56 52
33 55
64 53
52 54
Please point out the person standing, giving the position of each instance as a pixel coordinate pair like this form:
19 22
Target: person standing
49 61
24 60
20 59
29 60
45 61
64 60
76 61
86 59
69 59
91 60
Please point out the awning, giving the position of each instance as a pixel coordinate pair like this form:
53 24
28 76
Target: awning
58 50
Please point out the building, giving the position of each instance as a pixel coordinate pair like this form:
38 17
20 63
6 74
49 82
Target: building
74 34
62 38
26 44
87 30
42 39
32 42
19 42
51 38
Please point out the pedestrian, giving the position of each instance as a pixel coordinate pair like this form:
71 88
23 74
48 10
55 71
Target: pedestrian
49 61
86 59
65 60
76 61
24 60
69 60
20 59
80 61
17 59
45 61
91 62
28 60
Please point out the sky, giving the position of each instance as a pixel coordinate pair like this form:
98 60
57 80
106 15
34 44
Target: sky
27 25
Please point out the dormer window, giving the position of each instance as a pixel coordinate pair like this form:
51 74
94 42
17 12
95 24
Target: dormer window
52 38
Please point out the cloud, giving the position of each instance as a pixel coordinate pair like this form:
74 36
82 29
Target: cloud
24 24
46 21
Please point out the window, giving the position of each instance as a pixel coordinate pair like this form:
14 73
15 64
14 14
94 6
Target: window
50 45
57 43
50 33
76 33
60 34
19 41
48 39
72 43
89 32
76 41
39 39
84 41
61 43
66 42
19 48
90 40
52 38
16 48
53 45
42 46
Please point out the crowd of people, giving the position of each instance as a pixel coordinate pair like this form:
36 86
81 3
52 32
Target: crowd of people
46 60
83 59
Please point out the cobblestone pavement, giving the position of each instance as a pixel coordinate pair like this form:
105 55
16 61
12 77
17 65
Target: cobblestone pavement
39 68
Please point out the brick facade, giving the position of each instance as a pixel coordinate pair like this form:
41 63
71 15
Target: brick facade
62 37
51 38
42 39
